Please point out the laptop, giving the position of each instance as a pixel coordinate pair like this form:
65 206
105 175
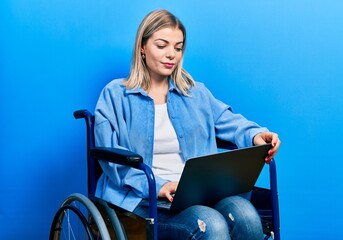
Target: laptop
205 180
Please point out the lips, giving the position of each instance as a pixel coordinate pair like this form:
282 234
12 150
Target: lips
168 65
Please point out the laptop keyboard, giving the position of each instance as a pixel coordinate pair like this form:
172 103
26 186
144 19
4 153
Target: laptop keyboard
165 204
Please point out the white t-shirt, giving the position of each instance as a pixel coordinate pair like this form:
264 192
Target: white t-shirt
167 161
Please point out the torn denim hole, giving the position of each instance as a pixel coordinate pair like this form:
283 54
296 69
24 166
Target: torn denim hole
231 217
202 225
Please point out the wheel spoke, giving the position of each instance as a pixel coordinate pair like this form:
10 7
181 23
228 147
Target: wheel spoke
77 219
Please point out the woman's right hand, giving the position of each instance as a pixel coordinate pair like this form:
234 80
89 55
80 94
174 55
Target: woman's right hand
167 190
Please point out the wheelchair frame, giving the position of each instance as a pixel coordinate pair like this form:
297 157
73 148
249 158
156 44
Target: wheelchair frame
99 218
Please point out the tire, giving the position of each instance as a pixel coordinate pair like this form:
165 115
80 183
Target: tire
78 218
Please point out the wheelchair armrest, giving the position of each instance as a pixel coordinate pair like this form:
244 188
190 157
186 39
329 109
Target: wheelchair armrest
131 159
83 113
115 155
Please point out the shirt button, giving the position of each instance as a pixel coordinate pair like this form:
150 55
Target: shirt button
181 136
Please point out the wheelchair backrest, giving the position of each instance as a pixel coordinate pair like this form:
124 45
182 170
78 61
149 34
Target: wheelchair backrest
93 167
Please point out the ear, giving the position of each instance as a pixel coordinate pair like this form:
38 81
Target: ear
143 50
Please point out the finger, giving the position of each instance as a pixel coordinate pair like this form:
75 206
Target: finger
275 147
258 139
270 156
272 152
169 197
275 139
174 187
267 160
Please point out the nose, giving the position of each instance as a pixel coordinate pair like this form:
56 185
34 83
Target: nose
171 53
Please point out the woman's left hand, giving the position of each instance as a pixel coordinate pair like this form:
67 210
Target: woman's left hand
268 137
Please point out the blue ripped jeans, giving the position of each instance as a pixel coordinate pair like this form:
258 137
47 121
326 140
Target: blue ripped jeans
231 218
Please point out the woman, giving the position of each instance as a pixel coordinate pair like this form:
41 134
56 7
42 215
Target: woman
162 114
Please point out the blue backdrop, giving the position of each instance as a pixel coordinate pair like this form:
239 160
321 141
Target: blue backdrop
277 62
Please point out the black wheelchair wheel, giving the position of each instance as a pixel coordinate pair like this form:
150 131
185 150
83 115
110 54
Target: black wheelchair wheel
78 219
70 223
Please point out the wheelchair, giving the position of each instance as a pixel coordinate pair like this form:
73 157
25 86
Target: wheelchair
89 217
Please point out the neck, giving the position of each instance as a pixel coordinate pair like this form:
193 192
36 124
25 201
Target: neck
159 91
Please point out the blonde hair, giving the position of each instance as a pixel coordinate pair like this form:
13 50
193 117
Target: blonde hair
139 74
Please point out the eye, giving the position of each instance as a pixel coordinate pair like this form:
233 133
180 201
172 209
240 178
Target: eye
160 46
179 49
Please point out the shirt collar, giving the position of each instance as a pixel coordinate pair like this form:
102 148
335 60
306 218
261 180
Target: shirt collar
140 90
172 86
136 90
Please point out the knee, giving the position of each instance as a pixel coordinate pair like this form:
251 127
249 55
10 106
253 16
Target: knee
241 215
209 223
236 207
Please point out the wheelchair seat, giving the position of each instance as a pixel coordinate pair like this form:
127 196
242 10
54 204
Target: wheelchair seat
81 217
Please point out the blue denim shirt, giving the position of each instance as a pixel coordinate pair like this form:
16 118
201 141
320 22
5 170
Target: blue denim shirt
124 118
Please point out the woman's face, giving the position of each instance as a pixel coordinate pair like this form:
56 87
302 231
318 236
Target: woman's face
163 52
